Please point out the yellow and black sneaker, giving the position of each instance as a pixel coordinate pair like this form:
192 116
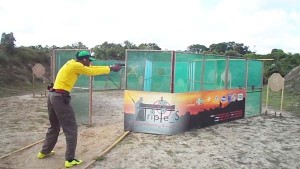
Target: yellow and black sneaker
41 155
73 162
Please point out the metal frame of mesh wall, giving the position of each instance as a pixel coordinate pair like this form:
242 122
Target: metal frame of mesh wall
190 72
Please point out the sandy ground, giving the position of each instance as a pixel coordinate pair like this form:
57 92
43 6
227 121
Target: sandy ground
256 142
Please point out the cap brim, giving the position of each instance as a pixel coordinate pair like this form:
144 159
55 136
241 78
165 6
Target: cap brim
92 59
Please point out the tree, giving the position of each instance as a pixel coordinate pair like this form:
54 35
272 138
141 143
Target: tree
222 48
218 48
240 48
197 48
79 45
149 46
232 53
129 45
8 42
109 51
276 51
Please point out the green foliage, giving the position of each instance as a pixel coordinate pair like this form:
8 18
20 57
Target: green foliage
232 53
78 45
290 101
100 158
8 42
16 68
219 48
110 51
237 49
149 46
113 51
197 48
282 63
129 45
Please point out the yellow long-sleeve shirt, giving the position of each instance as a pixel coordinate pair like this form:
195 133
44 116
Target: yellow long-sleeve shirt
69 72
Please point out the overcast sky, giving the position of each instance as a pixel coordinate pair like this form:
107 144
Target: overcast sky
262 25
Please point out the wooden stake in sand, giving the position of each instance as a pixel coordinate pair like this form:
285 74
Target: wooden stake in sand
275 83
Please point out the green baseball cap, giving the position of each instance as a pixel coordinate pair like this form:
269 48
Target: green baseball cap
84 54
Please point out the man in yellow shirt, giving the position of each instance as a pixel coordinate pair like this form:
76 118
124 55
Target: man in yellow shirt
60 111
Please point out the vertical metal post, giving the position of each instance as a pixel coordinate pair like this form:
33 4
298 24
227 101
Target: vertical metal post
107 77
126 64
203 69
173 59
246 83
91 100
226 71
246 75
53 65
262 84
267 97
281 98
33 93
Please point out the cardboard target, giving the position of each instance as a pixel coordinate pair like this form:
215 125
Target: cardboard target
38 70
276 82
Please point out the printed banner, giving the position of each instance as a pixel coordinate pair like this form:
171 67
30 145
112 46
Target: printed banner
171 113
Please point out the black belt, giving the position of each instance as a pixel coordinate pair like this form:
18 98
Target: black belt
59 91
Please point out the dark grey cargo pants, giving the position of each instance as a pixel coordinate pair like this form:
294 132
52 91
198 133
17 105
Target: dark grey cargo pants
61 114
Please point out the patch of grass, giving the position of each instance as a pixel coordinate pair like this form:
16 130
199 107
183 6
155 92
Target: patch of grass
170 152
291 101
100 158
127 142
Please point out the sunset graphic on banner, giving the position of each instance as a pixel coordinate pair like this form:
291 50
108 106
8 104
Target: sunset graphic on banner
201 101
185 102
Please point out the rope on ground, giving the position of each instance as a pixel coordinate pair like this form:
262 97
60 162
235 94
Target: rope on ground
23 148
108 149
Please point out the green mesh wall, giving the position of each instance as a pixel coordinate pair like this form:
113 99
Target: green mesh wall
214 68
253 104
237 73
99 82
111 81
149 70
254 88
255 72
80 93
188 72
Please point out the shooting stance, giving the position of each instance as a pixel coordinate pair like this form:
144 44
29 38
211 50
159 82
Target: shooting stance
60 111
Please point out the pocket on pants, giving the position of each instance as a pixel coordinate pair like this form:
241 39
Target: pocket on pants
67 98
